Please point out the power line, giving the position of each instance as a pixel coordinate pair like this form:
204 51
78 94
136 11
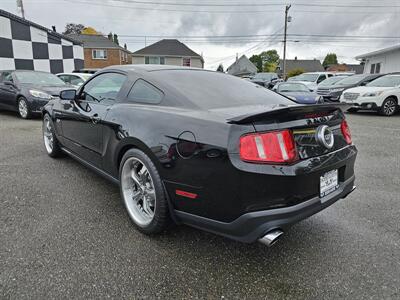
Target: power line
252 5
227 11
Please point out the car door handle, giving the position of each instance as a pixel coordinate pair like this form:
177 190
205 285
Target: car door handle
95 119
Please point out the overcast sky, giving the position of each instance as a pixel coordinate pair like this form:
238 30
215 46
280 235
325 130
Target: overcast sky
129 18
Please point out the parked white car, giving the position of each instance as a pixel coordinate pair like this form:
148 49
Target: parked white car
381 95
311 80
75 79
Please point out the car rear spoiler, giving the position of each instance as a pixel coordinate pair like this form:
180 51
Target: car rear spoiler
289 110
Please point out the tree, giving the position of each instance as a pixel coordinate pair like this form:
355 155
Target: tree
295 72
115 39
257 61
220 68
89 30
266 61
330 59
73 28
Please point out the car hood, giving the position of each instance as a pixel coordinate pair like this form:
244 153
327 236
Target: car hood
367 89
309 84
53 90
337 86
302 97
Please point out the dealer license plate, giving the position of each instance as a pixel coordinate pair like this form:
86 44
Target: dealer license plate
328 183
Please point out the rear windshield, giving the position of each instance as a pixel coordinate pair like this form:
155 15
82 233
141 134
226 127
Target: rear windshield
386 81
209 90
306 77
40 78
352 79
332 80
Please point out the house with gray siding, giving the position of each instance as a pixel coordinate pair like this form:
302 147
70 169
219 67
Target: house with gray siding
168 52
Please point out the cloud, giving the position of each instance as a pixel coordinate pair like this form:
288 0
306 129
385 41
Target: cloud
130 19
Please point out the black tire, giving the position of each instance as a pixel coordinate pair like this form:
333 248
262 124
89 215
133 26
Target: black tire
54 149
161 219
389 107
22 113
352 110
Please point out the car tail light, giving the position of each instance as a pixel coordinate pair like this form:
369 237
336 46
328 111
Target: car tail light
346 132
268 147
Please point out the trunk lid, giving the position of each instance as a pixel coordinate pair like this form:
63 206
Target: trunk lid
305 122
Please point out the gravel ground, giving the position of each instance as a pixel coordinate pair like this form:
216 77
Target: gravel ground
65 234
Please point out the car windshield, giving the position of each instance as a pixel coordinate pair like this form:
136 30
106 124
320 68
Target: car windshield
332 80
210 90
40 78
351 80
386 81
86 76
292 87
306 77
263 76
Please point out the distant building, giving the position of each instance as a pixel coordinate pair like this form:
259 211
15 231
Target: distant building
25 45
308 65
382 61
242 67
101 52
356 69
168 52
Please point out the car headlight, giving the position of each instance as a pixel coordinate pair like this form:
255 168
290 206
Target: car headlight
39 94
336 90
372 94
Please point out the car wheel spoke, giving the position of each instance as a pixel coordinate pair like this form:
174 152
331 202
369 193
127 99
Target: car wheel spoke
138 191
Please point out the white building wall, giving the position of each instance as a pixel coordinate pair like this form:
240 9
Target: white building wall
390 62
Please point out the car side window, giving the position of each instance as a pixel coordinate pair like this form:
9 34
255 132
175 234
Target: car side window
64 78
321 78
6 76
75 80
103 88
144 92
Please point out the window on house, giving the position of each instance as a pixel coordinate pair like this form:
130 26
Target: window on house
144 92
372 69
186 62
378 68
99 54
154 60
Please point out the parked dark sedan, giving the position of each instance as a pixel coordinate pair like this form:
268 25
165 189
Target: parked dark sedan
267 80
26 92
334 91
205 149
298 92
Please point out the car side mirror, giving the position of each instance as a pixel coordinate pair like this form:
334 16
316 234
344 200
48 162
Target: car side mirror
363 84
68 95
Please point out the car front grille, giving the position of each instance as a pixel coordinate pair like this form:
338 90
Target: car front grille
323 92
350 96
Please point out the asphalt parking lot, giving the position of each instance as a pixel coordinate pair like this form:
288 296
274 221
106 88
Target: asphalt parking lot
65 234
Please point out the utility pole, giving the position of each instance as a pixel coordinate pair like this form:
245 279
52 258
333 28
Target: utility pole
284 40
20 4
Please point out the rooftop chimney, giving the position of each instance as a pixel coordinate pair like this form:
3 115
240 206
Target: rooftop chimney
54 28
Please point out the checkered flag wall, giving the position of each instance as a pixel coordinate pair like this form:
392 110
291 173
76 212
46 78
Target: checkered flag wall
27 47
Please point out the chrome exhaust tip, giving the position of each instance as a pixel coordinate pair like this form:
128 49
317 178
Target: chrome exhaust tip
271 237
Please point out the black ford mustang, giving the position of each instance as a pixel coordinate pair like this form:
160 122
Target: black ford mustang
204 149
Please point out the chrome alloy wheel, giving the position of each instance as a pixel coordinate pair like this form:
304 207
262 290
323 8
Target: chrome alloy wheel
389 107
23 108
138 191
48 135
